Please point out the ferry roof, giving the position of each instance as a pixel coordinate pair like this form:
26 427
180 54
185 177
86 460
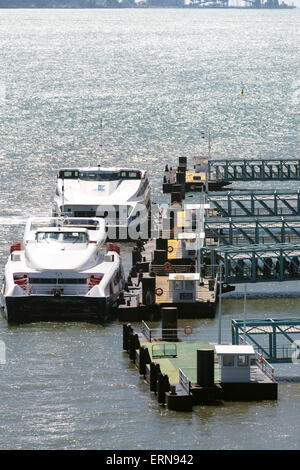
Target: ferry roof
71 228
243 349
101 169
184 277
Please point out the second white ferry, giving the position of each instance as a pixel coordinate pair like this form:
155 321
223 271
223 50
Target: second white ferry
120 195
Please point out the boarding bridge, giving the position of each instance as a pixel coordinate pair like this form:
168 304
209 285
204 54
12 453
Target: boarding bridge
274 338
254 203
251 230
254 170
252 263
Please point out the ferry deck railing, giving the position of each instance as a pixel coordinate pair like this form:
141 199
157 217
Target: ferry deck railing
49 289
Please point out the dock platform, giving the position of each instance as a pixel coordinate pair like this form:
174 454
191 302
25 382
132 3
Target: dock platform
171 368
166 277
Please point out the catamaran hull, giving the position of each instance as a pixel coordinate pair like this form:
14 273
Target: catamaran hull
64 308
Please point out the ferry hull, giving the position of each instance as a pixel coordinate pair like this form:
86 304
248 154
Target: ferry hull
45 308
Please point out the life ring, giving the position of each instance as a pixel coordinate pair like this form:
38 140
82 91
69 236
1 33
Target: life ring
260 358
170 249
159 291
188 330
168 266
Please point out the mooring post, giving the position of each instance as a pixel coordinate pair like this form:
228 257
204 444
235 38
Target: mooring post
163 386
131 346
126 330
205 367
169 323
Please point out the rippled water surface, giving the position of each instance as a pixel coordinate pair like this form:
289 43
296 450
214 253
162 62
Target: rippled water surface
156 78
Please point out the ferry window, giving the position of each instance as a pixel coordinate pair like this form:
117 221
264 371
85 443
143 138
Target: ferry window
69 174
88 176
99 176
74 237
134 174
108 176
243 360
69 237
123 174
189 285
178 285
186 296
228 361
47 236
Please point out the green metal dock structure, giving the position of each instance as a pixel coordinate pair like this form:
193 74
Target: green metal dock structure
215 174
255 203
252 263
255 331
183 373
232 170
253 230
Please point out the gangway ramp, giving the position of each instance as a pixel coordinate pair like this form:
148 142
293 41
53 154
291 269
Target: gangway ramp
254 203
254 170
274 338
252 263
252 230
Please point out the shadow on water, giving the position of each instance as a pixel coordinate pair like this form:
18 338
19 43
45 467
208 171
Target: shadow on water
287 378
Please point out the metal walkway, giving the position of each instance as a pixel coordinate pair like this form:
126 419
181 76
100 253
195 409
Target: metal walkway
254 203
252 230
270 330
252 263
254 170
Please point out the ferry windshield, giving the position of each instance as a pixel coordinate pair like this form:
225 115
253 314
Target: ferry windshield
61 237
99 176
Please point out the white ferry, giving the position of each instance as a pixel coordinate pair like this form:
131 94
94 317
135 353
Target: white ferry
120 195
63 270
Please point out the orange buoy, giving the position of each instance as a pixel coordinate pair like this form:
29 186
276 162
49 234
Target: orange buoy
188 330
168 266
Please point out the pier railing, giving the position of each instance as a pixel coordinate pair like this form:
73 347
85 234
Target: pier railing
264 365
186 333
147 332
260 361
184 382
161 270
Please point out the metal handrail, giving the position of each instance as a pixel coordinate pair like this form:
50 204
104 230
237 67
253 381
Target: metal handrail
179 268
264 365
158 333
147 332
184 382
